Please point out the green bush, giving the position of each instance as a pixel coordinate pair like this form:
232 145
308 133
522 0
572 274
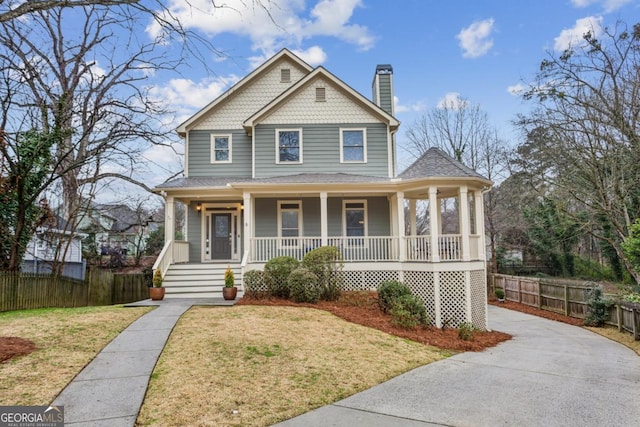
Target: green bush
303 286
326 263
597 307
254 286
466 331
500 293
276 273
389 291
408 311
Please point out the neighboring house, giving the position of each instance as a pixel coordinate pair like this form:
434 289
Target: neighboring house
55 243
292 158
118 227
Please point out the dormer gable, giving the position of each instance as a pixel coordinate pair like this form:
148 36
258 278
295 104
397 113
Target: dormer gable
317 95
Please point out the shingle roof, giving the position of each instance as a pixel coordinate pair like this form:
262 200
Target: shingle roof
436 163
303 178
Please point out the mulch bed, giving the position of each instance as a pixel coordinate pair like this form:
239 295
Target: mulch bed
362 308
11 347
537 312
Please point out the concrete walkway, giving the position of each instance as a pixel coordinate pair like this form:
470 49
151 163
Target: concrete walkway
109 391
549 374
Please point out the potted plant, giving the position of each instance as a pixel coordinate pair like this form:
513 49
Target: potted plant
229 291
156 292
500 294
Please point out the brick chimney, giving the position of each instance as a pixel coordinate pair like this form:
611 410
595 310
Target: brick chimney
383 87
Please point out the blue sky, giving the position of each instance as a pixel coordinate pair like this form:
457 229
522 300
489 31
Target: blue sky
482 50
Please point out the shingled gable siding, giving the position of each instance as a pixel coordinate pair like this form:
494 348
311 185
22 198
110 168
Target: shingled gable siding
321 148
377 215
199 155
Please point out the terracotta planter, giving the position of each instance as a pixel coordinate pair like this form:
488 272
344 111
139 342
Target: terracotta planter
156 294
229 293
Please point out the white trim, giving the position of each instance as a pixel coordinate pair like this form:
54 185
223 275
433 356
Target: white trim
212 142
344 216
300 222
277 146
186 155
234 209
364 144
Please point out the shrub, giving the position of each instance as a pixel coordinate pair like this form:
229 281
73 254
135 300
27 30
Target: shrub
466 331
500 293
389 291
229 278
276 273
254 286
303 286
326 263
408 311
597 307
157 279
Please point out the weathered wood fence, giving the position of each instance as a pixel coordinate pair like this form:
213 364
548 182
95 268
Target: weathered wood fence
20 291
563 296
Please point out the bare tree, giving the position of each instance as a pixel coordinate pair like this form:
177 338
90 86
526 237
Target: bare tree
587 115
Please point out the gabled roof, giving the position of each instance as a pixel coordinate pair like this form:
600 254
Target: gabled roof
436 163
182 129
305 81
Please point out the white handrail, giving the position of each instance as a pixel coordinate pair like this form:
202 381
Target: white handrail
165 258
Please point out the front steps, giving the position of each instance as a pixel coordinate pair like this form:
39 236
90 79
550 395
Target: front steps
199 280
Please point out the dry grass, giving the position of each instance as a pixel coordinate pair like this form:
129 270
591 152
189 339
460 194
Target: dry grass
253 365
66 339
613 334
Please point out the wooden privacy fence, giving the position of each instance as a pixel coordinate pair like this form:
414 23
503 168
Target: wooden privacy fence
20 291
565 297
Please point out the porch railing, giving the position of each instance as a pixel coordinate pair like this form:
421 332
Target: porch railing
172 252
366 248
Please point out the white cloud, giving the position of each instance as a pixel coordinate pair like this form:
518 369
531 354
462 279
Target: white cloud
284 23
313 56
516 89
401 108
189 95
475 40
453 101
608 5
574 36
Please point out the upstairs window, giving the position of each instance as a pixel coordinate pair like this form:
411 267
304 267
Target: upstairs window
220 148
289 146
289 222
285 75
321 94
353 145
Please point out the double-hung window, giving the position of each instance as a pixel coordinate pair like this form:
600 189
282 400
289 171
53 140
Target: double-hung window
220 148
355 221
353 145
288 146
289 222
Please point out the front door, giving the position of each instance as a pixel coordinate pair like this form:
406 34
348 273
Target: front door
221 236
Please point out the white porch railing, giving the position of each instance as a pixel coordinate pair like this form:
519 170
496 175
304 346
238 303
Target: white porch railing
367 248
172 252
418 248
265 248
450 247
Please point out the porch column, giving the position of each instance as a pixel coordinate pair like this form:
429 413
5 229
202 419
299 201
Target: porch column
412 217
247 222
479 206
434 213
169 219
464 222
400 236
324 222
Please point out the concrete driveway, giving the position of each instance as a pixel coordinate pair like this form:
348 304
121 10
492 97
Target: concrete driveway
549 374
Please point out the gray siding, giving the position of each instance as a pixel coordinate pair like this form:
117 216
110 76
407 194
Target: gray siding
266 222
194 233
321 151
386 95
199 155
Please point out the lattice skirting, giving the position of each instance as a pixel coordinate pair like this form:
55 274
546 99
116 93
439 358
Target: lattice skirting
450 297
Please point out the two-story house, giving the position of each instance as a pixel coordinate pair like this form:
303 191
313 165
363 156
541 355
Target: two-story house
292 158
